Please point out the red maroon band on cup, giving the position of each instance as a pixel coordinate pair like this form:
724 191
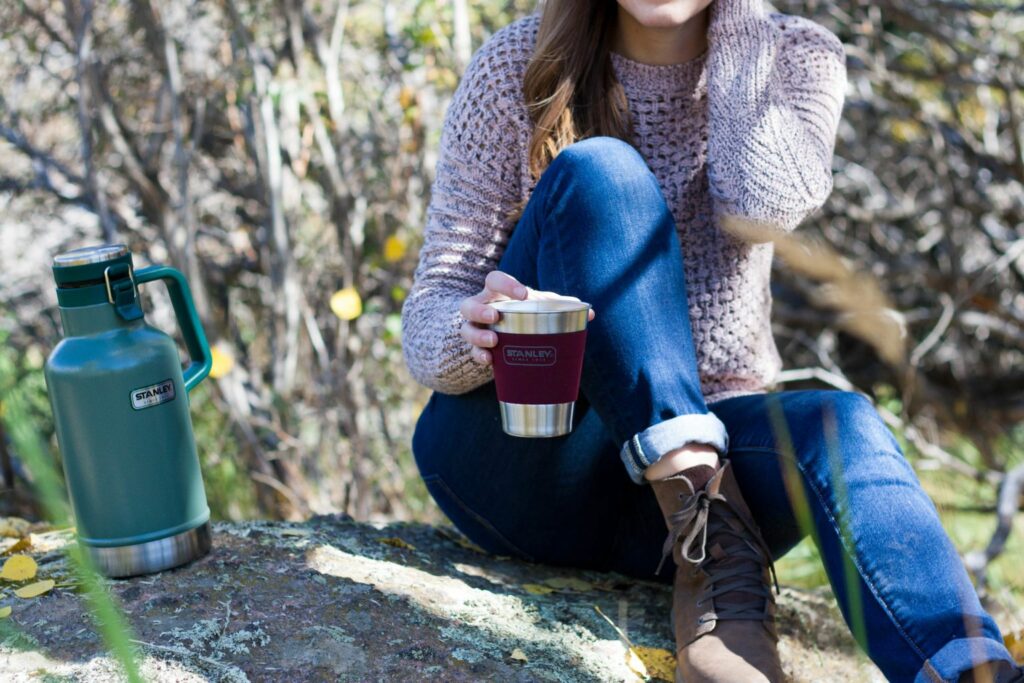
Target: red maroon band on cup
539 355
538 368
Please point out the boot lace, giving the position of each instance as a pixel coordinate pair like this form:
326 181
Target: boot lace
705 515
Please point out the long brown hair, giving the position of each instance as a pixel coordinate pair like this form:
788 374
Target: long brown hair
570 88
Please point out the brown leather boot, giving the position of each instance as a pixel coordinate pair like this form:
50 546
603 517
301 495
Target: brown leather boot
723 609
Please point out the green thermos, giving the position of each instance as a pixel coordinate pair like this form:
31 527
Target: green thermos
120 403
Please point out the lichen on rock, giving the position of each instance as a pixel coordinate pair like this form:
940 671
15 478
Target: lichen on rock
332 599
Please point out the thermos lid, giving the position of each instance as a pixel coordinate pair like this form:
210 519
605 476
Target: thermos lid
92 265
94 254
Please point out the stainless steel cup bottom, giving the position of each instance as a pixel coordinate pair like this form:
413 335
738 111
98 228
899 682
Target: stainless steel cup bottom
153 556
543 420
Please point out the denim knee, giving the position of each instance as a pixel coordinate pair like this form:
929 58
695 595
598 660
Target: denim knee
611 163
601 154
607 173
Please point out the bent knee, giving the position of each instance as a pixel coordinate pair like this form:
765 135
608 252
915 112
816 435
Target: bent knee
612 162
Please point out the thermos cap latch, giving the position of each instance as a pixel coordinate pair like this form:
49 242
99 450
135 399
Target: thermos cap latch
122 292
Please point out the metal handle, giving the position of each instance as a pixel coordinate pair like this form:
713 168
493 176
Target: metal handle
188 321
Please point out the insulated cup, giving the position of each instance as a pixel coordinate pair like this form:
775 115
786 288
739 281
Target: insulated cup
537 364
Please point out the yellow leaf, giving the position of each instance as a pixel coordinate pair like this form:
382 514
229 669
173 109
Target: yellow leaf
518 655
1015 644
569 582
36 589
659 663
635 664
347 304
13 527
5 612
18 568
394 249
19 545
537 589
223 361
469 545
406 97
397 543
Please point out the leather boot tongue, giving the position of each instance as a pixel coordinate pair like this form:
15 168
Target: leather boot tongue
699 475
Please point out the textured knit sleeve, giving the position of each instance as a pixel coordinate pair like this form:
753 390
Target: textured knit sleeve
476 187
775 95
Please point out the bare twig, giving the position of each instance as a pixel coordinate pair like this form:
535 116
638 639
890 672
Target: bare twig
1010 490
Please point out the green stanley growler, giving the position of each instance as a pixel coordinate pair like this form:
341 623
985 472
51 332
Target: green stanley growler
120 404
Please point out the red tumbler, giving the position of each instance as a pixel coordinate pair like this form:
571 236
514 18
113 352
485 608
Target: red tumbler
537 364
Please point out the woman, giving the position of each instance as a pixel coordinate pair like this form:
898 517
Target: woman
621 134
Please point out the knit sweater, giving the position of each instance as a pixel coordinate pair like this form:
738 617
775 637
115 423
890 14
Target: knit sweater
746 129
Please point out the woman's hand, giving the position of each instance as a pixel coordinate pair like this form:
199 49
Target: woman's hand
477 315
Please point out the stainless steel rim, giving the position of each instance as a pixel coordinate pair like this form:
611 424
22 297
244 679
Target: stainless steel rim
541 316
94 254
153 556
537 421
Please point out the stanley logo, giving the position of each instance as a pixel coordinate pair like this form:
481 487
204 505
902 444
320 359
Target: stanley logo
534 356
154 394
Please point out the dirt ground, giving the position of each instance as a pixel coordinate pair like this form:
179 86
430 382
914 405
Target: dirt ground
330 600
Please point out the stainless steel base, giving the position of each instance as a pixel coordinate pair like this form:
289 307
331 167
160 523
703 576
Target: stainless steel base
544 420
153 556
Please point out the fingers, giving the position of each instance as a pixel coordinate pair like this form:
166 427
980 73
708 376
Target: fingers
481 356
477 314
476 311
500 283
477 336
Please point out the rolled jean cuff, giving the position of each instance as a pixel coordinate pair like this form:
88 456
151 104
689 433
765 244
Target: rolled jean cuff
647 447
960 655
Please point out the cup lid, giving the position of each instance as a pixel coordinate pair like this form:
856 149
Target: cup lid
535 306
541 316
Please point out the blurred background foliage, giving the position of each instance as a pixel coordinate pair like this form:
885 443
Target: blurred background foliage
280 154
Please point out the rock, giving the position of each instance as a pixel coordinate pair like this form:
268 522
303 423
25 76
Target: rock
331 599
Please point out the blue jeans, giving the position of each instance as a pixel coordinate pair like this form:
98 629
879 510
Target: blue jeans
808 462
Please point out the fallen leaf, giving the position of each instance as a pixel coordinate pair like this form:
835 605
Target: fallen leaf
394 249
35 589
223 361
13 527
645 662
21 544
396 542
570 582
5 612
517 655
635 664
18 568
347 304
458 538
469 545
295 532
537 589
659 663
1015 644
